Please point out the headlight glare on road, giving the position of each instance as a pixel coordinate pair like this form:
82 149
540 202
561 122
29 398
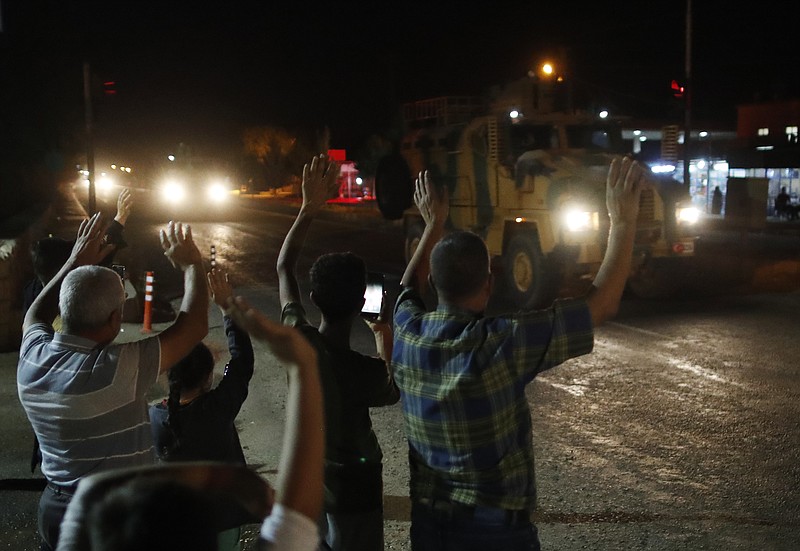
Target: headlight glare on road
687 215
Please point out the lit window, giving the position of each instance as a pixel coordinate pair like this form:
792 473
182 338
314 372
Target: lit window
791 134
763 131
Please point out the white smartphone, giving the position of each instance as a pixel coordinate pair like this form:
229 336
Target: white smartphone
373 296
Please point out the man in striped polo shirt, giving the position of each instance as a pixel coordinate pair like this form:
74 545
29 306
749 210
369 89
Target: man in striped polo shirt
84 396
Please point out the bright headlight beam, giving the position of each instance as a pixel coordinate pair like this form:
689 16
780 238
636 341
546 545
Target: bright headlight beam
688 215
576 220
173 192
217 193
104 182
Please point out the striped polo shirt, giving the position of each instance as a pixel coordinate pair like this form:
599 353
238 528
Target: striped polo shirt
87 403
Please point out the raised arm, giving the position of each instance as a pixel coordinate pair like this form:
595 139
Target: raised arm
382 331
299 486
319 182
434 206
385 391
623 188
239 345
191 325
124 207
114 233
88 249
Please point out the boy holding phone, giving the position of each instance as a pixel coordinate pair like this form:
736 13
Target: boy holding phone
351 382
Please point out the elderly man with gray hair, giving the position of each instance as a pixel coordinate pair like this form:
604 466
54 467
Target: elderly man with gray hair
84 395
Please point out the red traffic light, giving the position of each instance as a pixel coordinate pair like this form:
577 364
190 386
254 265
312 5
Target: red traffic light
677 89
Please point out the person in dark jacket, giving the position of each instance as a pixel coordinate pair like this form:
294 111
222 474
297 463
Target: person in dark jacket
196 422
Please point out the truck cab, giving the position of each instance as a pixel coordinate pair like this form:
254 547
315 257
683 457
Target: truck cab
533 186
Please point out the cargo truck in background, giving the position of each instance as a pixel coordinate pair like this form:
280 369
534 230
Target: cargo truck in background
531 181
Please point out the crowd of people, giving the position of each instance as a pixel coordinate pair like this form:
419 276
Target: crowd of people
125 474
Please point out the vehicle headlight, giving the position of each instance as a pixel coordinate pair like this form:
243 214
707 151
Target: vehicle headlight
173 192
104 182
578 220
217 193
687 215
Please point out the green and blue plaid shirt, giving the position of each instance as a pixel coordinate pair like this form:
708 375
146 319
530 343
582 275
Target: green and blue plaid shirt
462 380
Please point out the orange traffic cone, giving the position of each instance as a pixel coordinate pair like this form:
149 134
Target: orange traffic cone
147 325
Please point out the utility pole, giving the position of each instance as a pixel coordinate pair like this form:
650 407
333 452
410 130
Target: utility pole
87 102
687 99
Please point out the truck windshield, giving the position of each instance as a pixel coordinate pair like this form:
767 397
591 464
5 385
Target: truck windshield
595 138
527 137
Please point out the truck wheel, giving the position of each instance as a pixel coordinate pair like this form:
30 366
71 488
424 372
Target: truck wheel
525 272
414 231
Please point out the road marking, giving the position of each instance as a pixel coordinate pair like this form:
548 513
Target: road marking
638 330
700 371
683 365
575 390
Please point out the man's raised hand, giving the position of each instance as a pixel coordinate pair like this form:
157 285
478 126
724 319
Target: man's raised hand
626 178
124 206
433 203
220 287
90 247
320 181
178 245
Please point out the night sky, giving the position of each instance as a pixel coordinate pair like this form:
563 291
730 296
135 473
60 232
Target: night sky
200 72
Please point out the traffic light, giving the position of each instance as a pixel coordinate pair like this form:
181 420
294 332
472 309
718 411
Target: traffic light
677 89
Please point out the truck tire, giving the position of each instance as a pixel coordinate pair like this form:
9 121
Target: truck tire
526 284
414 229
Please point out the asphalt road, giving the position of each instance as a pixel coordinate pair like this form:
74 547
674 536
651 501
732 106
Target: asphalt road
680 430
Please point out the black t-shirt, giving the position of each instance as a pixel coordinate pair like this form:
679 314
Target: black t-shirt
207 425
351 384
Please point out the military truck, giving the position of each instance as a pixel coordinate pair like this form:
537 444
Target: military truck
531 182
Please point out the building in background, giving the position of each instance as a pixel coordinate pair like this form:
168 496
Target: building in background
767 146
352 186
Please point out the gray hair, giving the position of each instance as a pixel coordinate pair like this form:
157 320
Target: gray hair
89 295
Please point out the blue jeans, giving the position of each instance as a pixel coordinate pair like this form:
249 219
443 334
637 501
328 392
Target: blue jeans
52 508
478 529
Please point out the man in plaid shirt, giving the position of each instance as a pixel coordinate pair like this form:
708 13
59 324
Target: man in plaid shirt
462 375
